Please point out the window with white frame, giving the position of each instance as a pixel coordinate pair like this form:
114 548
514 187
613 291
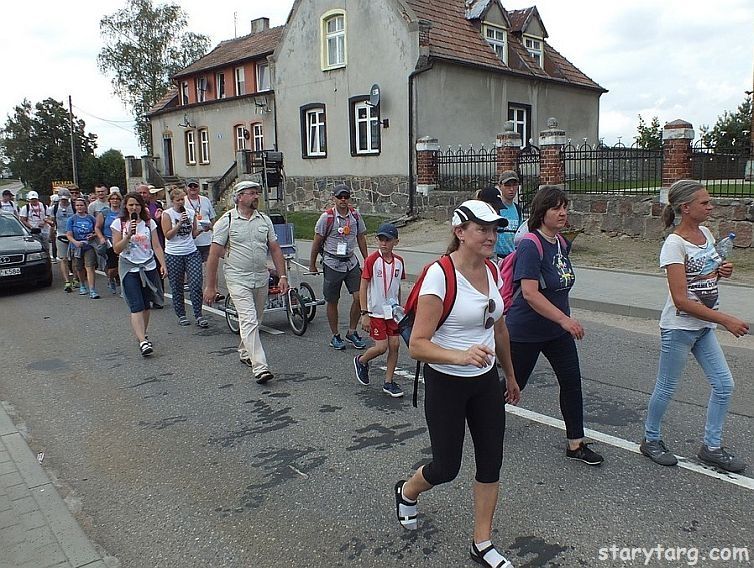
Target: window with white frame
204 146
365 127
498 39
184 92
263 77
220 85
258 134
241 134
520 116
190 147
534 47
240 81
313 131
334 40
201 89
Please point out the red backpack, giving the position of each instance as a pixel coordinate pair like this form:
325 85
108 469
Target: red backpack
406 325
509 264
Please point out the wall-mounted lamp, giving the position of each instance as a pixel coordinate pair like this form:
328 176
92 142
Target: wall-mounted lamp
186 122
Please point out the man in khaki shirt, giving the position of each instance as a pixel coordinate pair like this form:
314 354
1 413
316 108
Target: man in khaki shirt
243 236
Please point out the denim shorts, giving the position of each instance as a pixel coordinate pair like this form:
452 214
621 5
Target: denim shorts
138 297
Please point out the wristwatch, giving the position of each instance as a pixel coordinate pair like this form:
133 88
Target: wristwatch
364 312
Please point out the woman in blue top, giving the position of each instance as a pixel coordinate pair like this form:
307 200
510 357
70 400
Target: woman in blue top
80 230
539 319
105 218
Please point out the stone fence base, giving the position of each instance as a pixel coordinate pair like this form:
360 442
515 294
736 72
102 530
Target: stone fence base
641 216
385 195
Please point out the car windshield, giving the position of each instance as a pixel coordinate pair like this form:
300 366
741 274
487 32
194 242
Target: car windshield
11 227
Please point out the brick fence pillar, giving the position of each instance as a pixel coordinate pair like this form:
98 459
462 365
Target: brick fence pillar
508 144
551 142
427 149
676 151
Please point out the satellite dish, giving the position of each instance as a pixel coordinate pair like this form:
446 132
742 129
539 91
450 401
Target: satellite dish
374 95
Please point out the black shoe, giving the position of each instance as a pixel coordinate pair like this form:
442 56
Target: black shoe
721 458
478 556
658 452
247 362
263 377
583 453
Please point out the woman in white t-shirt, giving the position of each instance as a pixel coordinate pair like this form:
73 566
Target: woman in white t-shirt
461 377
687 325
182 257
136 243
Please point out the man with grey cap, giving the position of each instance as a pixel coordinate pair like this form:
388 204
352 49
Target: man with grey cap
36 215
243 236
508 187
61 212
7 203
337 233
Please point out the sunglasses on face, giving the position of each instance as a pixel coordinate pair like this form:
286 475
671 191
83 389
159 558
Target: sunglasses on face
489 321
342 197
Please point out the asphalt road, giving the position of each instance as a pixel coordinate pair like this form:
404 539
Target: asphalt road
181 460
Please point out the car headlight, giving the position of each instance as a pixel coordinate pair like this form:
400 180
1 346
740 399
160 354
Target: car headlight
35 256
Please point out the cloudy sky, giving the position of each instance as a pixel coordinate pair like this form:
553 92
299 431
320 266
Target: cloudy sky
673 59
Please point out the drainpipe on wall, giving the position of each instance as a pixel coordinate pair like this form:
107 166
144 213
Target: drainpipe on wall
423 64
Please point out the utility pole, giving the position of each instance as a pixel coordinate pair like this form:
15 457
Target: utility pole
73 145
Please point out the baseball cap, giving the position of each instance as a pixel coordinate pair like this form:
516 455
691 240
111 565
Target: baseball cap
242 185
192 182
340 189
63 193
388 230
491 195
114 189
8 192
32 195
508 175
477 211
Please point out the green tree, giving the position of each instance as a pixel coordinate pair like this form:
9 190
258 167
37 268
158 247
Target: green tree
732 129
650 137
36 145
144 46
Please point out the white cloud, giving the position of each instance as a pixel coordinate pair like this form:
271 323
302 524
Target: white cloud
673 59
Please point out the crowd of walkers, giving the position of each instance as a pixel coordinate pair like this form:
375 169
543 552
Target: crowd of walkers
467 326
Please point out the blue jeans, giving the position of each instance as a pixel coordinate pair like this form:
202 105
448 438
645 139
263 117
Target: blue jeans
675 346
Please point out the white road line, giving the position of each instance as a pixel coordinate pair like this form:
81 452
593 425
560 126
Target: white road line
685 463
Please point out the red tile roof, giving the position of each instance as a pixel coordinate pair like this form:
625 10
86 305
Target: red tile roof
167 100
455 38
231 51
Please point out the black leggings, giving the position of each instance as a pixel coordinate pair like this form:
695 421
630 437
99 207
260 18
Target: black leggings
564 360
449 403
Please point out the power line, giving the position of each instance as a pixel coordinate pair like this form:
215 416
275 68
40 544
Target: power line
115 123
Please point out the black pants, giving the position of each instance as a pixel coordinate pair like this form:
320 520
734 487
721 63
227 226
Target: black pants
564 360
449 403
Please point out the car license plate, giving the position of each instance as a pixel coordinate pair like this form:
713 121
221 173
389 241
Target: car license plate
10 272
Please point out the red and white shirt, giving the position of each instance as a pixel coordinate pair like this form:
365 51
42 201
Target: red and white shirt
384 282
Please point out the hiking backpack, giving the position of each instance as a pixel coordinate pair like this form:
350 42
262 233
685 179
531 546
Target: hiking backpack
406 325
509 264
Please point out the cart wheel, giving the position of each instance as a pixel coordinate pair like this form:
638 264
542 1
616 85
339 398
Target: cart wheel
307 296
231 315
294 309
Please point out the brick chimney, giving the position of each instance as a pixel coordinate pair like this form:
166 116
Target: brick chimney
259 25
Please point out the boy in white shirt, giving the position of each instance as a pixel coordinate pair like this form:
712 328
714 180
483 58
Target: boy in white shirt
380 291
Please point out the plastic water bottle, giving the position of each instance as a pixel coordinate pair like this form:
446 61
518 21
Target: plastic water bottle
724 247
398 313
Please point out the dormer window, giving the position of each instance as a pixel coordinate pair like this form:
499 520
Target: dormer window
498 39
534 47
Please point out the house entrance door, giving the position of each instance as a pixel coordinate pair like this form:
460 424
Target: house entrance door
167 151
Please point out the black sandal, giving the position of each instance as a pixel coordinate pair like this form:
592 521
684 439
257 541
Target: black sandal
478 556
406 517
264 376
146 348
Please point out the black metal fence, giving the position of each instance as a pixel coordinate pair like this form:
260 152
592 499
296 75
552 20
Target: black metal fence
612 169
722 169
466 170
